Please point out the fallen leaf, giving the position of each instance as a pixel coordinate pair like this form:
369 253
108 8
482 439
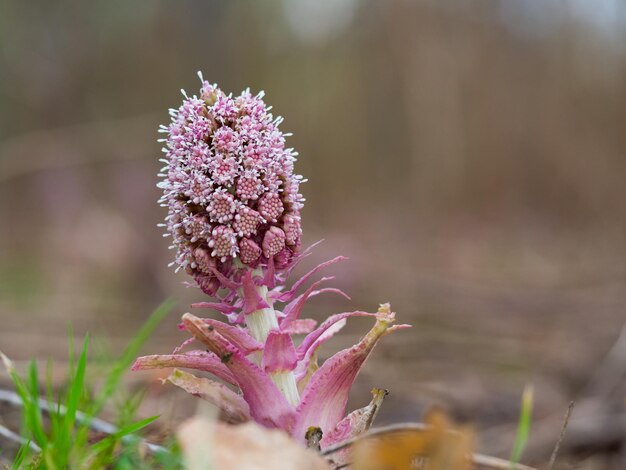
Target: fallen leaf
208 444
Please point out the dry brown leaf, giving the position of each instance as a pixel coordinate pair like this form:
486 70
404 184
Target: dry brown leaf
438 447
207 444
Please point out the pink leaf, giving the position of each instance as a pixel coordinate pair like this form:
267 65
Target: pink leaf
237 336
303 254
303 364
198 360
185 343
252 301
279 354
299 327
232 405
312 337
324 399
219 306
267 404
292 311
291 293
226 282
230 311
357 422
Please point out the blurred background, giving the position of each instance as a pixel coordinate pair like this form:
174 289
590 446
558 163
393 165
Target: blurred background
468 156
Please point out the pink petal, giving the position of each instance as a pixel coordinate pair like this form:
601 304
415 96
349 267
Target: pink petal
198 360
267 404
279 354
233 405
252 301
291 293
324 399
299 327
312 337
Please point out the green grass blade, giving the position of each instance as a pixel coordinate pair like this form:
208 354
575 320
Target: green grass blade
130 354
54 423
77 385
31 407
523 427
67 436
20 457
125 431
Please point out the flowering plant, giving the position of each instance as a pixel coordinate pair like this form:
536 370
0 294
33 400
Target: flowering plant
234 216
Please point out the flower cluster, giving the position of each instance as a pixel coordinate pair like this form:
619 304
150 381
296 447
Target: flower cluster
229 186
234 214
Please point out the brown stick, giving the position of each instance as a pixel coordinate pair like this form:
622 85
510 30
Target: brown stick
555 452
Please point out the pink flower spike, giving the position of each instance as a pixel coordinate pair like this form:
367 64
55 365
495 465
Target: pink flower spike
310 339
252 300
324 399
289 295
267 404
198 360
279 354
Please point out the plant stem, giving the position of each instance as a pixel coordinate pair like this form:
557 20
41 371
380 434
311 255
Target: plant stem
260 323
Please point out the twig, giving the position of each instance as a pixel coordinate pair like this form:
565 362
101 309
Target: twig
378 396
94 423
375 432
10 435
477 459
555 452
496 463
